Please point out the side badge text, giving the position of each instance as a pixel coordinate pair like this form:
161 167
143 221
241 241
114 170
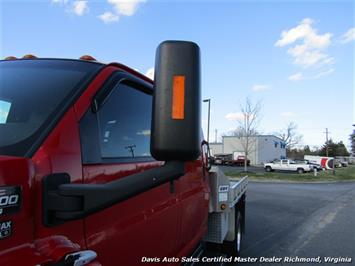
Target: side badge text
10 200
5 229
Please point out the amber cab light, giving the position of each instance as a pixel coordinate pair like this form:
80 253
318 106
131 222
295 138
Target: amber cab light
10 57
29 56
87 57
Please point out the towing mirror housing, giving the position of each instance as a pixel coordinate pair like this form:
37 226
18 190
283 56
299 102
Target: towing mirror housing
175 132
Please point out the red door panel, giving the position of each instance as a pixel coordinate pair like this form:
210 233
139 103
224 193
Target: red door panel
145 225
193 194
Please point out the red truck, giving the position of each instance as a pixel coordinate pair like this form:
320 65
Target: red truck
101 166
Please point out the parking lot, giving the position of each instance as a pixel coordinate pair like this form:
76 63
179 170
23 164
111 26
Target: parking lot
298 219
305 220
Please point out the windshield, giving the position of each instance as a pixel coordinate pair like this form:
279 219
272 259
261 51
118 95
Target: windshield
31 92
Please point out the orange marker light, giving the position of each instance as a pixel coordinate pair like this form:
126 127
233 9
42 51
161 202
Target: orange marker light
87 58
29 56
178 108
10 58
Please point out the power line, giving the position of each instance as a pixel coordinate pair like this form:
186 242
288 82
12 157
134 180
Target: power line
326 140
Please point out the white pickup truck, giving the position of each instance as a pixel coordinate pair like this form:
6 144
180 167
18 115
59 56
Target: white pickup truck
287 165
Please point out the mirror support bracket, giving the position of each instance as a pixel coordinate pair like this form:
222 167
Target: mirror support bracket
64 201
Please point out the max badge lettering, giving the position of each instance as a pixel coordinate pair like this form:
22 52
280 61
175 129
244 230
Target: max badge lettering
5 229
10 200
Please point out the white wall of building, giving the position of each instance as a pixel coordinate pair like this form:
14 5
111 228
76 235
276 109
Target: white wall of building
264 148
216 148
269 148
233 143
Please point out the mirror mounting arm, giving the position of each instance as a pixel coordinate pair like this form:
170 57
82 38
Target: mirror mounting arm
64 201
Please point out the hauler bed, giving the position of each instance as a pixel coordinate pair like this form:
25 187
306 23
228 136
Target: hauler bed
226 219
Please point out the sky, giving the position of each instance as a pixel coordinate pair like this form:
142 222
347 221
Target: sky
294 57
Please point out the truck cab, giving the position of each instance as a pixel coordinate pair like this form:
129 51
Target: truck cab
94 168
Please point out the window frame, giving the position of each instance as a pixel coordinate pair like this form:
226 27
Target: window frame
91 152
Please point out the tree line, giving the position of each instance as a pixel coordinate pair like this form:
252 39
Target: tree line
334 149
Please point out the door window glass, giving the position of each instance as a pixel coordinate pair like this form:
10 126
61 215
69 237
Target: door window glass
124 123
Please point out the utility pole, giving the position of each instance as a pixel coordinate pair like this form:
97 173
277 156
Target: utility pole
326 141
215 135
208 123
131 149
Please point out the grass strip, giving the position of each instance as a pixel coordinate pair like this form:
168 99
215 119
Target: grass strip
341 174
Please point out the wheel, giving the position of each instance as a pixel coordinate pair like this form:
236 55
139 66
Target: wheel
300 171
268 169
233 248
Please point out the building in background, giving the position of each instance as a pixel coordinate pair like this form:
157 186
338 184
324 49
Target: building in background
216 148
264 148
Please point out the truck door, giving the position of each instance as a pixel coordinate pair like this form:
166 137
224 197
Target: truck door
276 165
193 191
115 142
285 165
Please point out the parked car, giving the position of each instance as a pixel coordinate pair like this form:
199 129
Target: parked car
337 163
313 165
344 163
220 159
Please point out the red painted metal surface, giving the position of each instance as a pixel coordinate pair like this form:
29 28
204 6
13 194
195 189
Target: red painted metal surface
24 247
31 242
18 172
40 251
59 153
155 223
193 196
145 225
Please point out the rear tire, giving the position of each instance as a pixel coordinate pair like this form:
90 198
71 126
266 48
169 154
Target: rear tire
233 248
300 171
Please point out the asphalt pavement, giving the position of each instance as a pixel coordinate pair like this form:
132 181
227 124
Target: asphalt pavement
251 168
300 220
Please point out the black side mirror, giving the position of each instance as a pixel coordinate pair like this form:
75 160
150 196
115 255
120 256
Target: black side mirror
175 132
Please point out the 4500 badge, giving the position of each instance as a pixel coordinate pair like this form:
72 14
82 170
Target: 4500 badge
10 200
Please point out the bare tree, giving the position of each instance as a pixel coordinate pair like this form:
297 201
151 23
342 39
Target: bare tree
247 128
290 136
352 141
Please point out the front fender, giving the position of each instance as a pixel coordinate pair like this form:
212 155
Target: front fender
44 251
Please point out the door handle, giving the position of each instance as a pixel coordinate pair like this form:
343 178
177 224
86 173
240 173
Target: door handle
80 258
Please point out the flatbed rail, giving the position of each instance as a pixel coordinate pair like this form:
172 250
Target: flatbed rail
236 190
